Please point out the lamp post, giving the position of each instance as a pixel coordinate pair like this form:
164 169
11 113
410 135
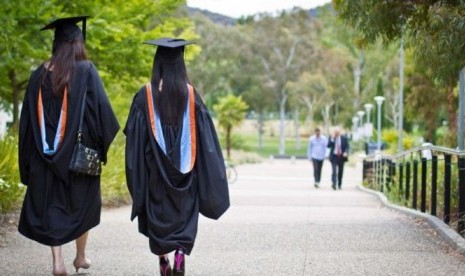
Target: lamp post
368 129
379 101
355 120
368 108
360 114
361 129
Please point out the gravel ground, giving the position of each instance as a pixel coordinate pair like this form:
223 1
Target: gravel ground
278 224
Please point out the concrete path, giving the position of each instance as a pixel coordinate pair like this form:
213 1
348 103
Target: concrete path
278 224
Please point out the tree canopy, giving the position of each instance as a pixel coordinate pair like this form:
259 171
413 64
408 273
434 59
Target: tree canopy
115 32
435 29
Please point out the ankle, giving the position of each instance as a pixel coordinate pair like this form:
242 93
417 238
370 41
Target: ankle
57 262
80 256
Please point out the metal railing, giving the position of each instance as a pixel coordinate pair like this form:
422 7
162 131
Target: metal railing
430 179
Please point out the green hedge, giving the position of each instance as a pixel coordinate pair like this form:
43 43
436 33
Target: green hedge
11 190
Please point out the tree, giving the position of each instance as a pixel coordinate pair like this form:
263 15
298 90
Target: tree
310 90
230 111
433 29
21 47
214 69
114 42
281 48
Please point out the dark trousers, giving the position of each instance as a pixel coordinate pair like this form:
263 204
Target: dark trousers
317 166
337 164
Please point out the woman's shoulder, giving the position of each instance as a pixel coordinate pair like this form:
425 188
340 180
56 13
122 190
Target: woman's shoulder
85 65
38 71
199 104
140 96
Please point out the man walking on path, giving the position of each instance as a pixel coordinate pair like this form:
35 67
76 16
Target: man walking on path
338 155
316 152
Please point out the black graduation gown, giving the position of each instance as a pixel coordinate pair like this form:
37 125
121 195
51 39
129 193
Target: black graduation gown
166 201
59 206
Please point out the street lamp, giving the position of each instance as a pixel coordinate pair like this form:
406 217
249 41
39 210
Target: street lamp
361 129
379 101
368 128
360 114
355 120
368 108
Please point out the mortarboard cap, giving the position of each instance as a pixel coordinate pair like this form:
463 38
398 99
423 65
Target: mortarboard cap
169 42
66 28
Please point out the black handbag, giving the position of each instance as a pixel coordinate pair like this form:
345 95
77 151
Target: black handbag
85 160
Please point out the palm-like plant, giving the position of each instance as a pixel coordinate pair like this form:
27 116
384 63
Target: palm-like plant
230 112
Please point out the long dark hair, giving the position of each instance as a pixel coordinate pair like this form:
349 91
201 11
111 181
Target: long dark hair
170 69
64 56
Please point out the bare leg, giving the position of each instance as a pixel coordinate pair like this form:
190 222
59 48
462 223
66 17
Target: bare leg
80 261
81 243
58 262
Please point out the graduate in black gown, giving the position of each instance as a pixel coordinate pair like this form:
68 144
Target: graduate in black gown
174 164
61 206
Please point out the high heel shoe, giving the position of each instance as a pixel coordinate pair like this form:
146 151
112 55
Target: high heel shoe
77 265
179 263
165 268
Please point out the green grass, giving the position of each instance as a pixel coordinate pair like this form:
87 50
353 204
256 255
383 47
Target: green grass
271 145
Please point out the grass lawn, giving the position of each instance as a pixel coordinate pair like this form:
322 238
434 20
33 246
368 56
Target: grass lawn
271 145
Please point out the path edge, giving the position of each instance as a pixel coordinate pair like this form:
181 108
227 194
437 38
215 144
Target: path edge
447 234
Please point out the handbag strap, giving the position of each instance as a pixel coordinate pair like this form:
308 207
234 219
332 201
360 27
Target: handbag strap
81 118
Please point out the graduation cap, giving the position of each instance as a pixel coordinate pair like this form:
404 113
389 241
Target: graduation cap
66 28
169 42
169 49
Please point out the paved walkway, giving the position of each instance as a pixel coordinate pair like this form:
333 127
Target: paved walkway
279 224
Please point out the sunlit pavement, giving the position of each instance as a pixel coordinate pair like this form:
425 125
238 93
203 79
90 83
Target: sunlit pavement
278 224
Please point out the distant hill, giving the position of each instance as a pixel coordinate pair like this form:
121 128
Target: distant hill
215 17
229 21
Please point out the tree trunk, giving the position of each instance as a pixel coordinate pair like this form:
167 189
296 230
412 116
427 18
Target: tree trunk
325 113
261 126
452 110
228 143
16 91
297 128
357 79
282 122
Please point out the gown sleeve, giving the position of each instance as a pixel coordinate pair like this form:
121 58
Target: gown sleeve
108 125
211 172
136 166
26 141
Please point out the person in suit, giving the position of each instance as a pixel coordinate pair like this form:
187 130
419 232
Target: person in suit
338 155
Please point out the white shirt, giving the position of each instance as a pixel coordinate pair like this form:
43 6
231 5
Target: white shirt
317 147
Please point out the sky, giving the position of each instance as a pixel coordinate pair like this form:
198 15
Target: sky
237 8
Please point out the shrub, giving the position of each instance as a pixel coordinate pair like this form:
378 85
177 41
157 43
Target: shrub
113 181
11 190
391 137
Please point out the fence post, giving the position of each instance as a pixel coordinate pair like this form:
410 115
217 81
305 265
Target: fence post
434 184
375 173
461 223
407 180
383 166
401 179
447 165
392 173
424 167
415 184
